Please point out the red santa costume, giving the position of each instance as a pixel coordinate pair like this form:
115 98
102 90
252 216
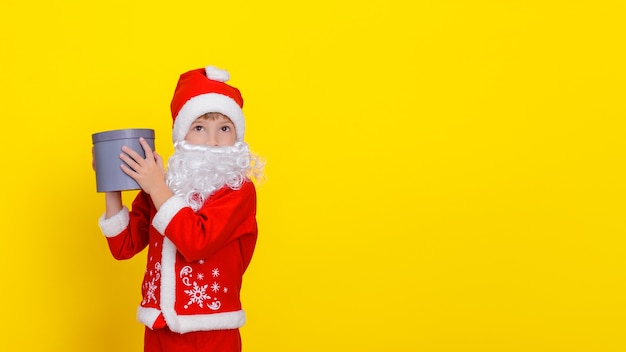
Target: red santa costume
201 240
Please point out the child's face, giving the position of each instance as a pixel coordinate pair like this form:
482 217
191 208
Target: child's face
215 130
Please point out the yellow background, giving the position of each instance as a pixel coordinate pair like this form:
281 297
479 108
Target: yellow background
441 176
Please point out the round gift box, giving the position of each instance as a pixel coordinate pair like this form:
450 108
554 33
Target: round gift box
107 149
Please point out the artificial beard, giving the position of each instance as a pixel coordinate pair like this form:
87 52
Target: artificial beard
195 172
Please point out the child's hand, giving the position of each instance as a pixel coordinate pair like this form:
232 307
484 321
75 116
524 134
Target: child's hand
149 172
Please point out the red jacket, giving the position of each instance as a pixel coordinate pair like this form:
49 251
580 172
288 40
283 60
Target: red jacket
196 260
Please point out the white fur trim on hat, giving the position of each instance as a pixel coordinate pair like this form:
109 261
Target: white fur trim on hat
205 103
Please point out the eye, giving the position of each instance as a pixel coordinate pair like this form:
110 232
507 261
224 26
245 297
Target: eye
198 128
225 128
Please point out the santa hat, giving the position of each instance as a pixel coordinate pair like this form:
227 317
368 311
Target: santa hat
202 91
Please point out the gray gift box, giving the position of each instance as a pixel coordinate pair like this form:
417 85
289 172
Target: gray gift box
107 148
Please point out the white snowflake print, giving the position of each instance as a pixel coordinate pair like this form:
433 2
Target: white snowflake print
150 293
215 305
215 287
225 289
157 271
185 274
151 286
197 295
200 276
215 272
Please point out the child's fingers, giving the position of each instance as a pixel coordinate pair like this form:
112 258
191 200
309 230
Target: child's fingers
146 148
158 159
128 171
130 161
132 154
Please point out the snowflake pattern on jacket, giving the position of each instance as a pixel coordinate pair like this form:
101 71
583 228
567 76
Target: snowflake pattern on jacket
195 260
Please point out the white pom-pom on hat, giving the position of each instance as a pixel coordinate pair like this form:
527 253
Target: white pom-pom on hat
217 74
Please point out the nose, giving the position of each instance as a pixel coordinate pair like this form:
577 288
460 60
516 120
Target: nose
211 141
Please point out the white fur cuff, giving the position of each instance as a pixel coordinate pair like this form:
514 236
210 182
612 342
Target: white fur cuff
167 211
112 226
147 316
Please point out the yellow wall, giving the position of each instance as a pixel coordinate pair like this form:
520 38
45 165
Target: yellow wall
442 176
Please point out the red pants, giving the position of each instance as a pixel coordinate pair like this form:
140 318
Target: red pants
164 340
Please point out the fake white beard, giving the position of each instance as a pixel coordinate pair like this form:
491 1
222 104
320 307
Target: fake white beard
197 171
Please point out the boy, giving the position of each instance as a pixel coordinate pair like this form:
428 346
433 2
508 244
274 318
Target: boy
197 220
